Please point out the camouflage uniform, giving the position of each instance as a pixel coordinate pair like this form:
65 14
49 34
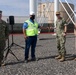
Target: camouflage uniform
3 37
59 37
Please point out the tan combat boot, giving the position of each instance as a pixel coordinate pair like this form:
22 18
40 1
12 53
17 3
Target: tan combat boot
62 59
2 63
58 57
75 59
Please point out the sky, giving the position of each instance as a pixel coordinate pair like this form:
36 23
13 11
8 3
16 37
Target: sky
14 7
18 7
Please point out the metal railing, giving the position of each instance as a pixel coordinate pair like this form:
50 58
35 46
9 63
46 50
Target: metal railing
45 11
67 11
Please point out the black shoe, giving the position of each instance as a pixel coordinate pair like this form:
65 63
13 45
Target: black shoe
26 60
34 59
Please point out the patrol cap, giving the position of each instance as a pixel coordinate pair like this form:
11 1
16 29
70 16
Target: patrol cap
32 13
0 12
58 13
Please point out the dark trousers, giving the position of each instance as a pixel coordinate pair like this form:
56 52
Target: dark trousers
30 42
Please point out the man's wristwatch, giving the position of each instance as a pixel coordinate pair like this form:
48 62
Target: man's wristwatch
65 32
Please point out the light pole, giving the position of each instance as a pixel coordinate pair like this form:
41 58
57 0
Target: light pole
56 8
33 7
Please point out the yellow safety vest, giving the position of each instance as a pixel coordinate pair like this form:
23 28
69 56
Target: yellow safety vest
32 29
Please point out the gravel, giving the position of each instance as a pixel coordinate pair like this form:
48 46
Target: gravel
45 52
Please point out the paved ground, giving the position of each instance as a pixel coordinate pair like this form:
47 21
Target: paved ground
45 51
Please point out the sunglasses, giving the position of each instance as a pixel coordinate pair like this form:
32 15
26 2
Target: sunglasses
57 14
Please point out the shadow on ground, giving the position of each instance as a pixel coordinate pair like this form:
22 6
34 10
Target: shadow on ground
69 57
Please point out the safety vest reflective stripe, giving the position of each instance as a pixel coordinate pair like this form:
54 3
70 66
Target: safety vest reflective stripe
32 29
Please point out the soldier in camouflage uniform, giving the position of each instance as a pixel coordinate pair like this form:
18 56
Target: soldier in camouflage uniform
75 37
3 37
61 28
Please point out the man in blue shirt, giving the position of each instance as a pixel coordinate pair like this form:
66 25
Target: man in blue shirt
30 40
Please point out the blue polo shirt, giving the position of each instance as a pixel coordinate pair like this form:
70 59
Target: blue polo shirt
25 24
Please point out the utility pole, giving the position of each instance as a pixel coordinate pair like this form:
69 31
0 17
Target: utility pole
56 8
33 7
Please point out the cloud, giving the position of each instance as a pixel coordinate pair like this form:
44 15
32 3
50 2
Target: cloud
16 7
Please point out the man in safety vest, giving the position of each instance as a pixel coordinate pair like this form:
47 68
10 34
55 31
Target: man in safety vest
30 31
